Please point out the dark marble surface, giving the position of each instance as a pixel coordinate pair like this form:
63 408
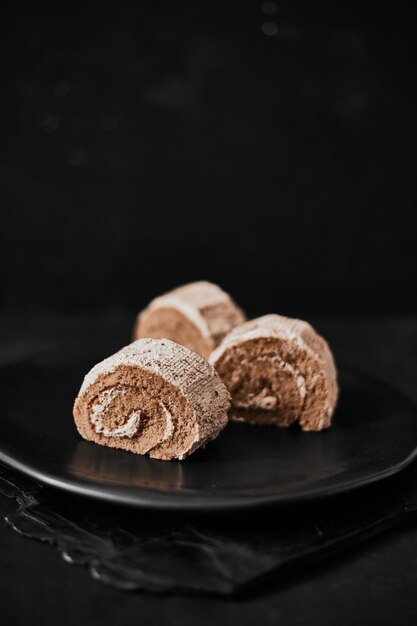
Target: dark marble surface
367 582
134 550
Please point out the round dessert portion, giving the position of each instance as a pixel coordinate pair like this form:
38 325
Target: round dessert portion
278 371
152 397
198 315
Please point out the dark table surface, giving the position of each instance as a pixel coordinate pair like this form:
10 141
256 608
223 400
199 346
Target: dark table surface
372 582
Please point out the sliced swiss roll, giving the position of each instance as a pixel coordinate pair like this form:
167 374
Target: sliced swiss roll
152 397
278 371
197 315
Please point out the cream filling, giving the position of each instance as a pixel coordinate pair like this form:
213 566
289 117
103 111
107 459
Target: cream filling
263 400
127 430
130 428
169 423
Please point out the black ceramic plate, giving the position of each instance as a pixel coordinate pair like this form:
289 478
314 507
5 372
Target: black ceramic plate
374 435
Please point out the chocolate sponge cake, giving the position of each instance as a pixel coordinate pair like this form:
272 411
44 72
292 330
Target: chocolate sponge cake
152 397
197 315
278 371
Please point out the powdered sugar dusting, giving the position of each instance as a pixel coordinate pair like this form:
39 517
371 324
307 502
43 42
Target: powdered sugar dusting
235 338
151 355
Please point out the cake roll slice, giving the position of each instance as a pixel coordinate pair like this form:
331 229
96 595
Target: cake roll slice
152 397
197 315
278 371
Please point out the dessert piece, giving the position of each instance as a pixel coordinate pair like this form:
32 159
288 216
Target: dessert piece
197 315
152 397
278 371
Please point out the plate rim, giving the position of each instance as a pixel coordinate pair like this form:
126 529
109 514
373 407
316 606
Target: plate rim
155 500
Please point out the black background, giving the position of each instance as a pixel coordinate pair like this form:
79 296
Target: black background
145 144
